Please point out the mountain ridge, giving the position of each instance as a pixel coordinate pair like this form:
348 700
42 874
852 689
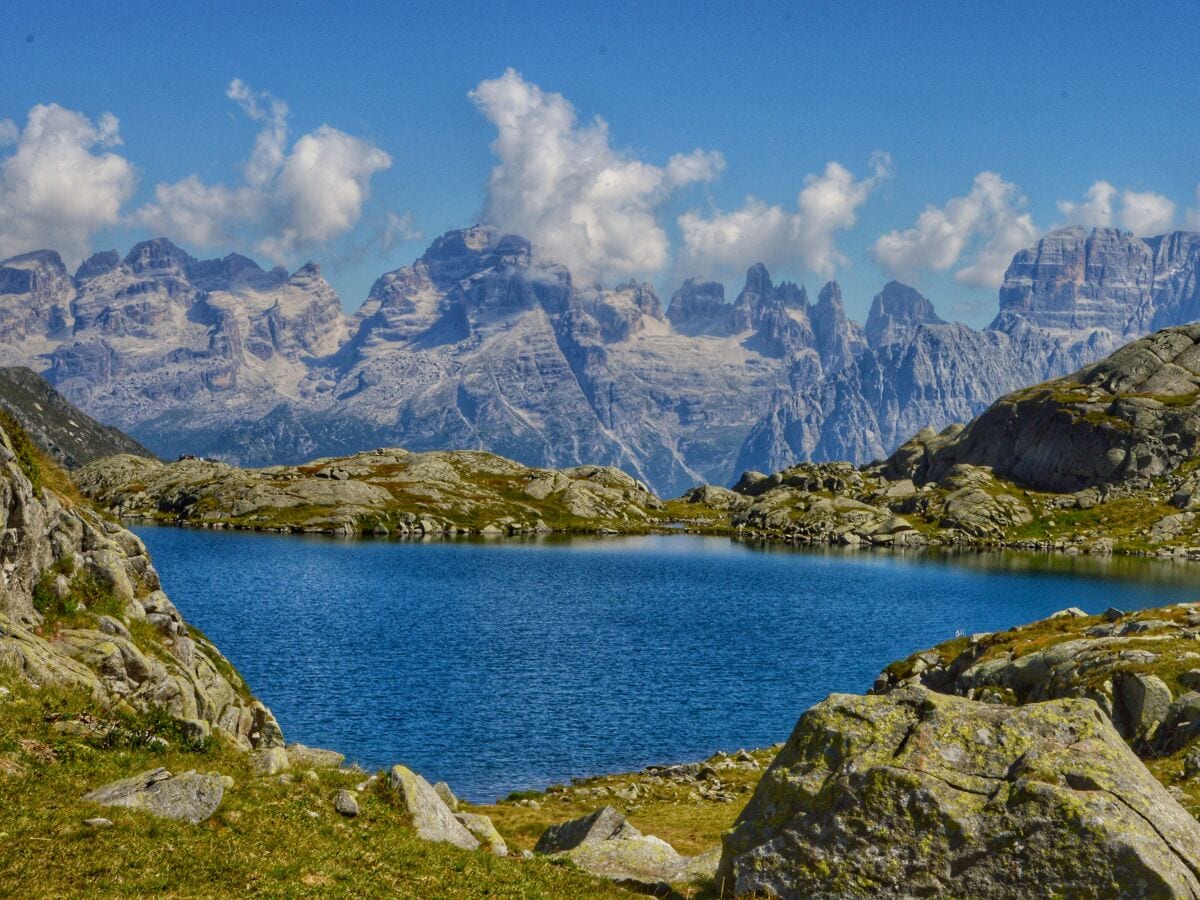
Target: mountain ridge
480 344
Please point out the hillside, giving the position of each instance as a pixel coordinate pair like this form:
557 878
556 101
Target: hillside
381 492
70 436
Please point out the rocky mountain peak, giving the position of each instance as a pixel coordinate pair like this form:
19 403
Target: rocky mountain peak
896 312
45 261
97 264
158 256
1075 280
699 307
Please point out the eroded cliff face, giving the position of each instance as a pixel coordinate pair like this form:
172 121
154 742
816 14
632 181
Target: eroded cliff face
82 605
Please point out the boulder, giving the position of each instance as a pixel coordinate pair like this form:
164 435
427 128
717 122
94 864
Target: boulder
604 844
431 816
346 804
190 797
447 795
302 757
604 824
268 761
915 793
484 831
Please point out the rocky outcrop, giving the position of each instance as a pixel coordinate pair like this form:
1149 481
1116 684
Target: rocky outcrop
65 433
381 492
1139 668
1129 418
82 605
919 793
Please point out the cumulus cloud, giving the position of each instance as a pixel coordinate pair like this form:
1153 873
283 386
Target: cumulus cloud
981 230
1146 213
1103 206
760 232
563 185
304 197
1096 209
1193 214
61 182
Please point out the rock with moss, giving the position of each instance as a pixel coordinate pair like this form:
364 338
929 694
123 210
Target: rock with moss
918 793
1134 666
604 843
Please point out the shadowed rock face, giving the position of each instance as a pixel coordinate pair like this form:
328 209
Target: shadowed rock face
1130 417
915 793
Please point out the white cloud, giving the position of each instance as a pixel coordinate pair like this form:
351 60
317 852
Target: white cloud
1143 213
561 183
1096 210
758 232
304 197
58 186
1146 213
985 225
1193 214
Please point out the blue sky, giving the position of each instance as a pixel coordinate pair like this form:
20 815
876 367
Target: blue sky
1052 99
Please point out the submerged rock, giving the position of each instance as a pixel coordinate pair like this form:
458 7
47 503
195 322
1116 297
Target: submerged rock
917 793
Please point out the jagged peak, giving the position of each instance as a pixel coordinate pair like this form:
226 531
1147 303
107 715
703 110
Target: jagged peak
97 264
831 295
36 259
158 253
758 280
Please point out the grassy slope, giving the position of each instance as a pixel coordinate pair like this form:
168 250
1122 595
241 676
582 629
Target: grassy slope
263 841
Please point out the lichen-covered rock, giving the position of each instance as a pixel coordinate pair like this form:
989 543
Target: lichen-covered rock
303 757
431 816
603 843
190 797
917 793
484 831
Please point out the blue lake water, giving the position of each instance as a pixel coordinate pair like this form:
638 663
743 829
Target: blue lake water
507 665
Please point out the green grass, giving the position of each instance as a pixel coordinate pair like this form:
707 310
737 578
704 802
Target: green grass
263 841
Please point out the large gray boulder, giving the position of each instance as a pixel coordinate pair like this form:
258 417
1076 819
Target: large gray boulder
604 844
190 797
915 793
431 816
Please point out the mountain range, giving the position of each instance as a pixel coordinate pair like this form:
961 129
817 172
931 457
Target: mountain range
481 344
